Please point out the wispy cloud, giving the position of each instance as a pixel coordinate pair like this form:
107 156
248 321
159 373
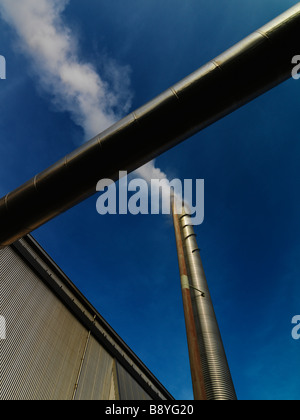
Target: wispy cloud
93 102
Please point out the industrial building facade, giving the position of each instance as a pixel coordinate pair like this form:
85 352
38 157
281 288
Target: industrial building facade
57 346
53 343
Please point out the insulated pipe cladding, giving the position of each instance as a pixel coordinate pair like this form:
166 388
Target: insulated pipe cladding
216 373
250 68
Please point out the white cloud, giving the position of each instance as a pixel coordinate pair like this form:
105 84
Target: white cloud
75 86
93 102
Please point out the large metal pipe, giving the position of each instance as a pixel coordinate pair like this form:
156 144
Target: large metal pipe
216 373
250 68
191 331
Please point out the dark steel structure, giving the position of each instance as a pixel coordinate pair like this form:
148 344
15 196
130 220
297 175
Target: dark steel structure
247 70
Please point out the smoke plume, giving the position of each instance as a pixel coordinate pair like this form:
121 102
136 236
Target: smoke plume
75 87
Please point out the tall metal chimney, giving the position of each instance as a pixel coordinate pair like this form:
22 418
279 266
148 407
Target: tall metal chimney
191 330
216 374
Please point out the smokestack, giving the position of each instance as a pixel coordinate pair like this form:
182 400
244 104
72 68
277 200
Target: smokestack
191 331
217 378
247 70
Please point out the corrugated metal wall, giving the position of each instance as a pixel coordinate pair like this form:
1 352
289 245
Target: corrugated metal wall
129 389
96 380
48 354
44 344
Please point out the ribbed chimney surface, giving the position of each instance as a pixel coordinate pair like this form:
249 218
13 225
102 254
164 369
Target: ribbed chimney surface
216 373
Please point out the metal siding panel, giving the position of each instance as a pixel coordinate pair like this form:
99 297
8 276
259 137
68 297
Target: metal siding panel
41 355
49 353
112 393
96 375
129 389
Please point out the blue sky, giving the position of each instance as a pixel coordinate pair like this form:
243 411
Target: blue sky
127 265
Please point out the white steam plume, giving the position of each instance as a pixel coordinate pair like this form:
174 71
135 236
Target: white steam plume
74 85
149 172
